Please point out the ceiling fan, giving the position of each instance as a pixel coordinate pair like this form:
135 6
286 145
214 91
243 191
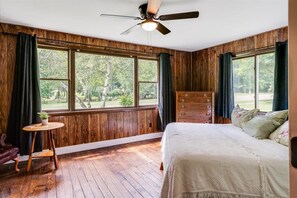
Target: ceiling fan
150 20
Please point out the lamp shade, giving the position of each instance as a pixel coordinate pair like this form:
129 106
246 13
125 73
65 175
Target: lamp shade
149 25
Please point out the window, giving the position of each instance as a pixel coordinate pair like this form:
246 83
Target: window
103 81
148 82
254 81
95 80
53 78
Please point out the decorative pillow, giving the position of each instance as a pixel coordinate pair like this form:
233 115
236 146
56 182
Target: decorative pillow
284 138
260 127
236 114
247 117
275 135
240 116
279 116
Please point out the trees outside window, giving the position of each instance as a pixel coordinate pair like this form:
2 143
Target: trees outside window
53 78
103 81
253 79
148 82
97 80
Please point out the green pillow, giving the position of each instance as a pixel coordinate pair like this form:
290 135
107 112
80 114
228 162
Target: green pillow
260 127
279 116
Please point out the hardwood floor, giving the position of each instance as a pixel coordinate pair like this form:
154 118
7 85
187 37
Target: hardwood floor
130 170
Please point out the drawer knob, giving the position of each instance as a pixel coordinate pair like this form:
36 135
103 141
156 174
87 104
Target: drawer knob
204 95
208 100
183 113
208 106
183 106
183 100
186 94
208 114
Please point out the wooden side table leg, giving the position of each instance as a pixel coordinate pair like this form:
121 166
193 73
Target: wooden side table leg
50 146
54 150
31 152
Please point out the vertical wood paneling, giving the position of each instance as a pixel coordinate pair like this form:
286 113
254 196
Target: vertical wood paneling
128 124
65 132
205 62
86 128
103 124
85 135
112 126
120 125
94 127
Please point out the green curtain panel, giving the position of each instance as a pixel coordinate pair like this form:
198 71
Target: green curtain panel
26 102
225 99
166 101
280 97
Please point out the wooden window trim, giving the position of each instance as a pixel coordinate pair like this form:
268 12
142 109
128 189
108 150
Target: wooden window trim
256 55
71 79
106 110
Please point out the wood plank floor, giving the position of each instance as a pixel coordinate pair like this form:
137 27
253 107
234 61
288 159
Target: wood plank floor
130 170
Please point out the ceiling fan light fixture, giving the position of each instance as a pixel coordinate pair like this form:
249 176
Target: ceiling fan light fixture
149 25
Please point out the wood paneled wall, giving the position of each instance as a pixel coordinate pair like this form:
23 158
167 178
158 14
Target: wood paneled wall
205 62
89 127
92 127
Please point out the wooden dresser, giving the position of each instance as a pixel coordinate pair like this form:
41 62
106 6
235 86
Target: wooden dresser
193 106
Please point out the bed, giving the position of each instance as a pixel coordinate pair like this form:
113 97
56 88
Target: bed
220 160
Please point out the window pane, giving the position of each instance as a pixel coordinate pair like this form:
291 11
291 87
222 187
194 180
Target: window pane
148 93
147 70
266 81
53 63
103 81
244 83
54 94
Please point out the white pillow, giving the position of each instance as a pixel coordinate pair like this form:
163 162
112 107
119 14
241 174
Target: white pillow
281 134
240 116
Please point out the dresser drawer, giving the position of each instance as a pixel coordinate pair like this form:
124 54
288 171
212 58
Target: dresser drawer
196 120
194 113
198 107
193 94
194 100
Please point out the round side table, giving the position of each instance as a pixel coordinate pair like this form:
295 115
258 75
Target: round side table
34 128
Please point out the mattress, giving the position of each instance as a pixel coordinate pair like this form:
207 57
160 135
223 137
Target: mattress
220 160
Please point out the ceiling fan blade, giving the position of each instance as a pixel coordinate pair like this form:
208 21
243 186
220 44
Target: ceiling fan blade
185 15
161 28
153 6
130 29
120 16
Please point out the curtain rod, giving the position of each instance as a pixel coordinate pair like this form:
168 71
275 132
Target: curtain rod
252 51
97 46
260 49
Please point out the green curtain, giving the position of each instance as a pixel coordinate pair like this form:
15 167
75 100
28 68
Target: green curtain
225 99
166 101
280 97
26 100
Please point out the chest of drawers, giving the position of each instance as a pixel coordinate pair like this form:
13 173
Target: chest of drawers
195 107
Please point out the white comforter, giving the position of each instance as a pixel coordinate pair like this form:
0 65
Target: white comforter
220 160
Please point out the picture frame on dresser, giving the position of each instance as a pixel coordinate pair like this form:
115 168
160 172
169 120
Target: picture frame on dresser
195 106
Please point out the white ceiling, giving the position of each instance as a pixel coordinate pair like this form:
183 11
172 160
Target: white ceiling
220 21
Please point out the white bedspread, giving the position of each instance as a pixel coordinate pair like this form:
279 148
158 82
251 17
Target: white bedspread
220 160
